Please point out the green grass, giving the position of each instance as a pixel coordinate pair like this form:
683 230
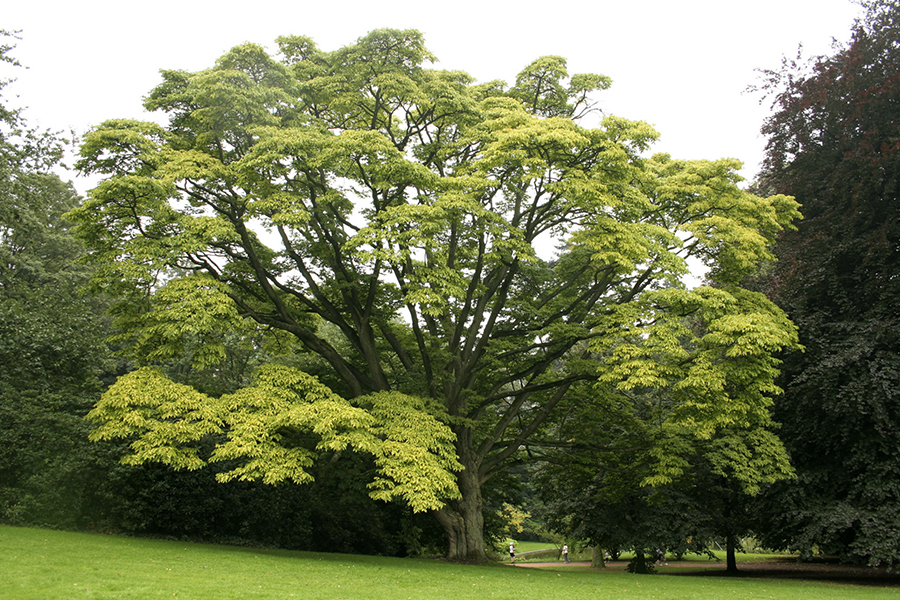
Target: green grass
532 546
45 565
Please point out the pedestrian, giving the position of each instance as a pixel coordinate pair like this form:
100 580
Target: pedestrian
566 552
660 556
512 552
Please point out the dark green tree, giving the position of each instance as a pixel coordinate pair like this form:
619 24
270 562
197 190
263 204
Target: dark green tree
834 144
51 336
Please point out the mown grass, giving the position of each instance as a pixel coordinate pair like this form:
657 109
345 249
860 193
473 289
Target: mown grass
533 546
41 564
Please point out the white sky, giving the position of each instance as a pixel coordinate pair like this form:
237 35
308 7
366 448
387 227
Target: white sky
682 66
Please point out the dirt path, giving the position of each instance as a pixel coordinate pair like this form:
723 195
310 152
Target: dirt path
787 569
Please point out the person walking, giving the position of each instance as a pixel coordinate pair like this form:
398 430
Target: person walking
512 552
566 552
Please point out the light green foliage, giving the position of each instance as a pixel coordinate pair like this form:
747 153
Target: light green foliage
394 220
194 309
541 90
514 520
751 458
276 428
168 419
268 421
416 458
707 356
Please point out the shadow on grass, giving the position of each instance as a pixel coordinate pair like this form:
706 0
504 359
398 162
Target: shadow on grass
784 568
831 572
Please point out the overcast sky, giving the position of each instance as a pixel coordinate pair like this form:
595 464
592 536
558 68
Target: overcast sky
682 66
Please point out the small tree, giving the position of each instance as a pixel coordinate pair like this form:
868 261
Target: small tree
627 471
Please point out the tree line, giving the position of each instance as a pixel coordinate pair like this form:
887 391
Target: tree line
313 310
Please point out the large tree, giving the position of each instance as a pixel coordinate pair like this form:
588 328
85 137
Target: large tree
399 222
834 143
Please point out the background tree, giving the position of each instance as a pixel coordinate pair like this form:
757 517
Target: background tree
610 507
630 466
52 351
389 217
834 143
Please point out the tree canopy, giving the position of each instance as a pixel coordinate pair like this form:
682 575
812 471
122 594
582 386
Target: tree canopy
462 257
834 143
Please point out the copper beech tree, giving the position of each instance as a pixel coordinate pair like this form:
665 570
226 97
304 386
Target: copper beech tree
462 256
834 143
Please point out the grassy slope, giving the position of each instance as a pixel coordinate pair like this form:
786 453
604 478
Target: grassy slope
42 564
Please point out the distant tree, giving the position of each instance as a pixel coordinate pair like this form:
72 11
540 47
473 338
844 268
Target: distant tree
389 217
834 144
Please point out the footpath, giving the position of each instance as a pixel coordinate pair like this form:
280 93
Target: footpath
781 569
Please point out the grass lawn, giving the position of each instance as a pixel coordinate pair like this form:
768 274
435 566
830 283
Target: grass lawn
532 546
45 565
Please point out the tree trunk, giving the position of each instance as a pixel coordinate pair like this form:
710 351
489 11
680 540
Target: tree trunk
730 537
730 559
597 559
463 520
639 564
